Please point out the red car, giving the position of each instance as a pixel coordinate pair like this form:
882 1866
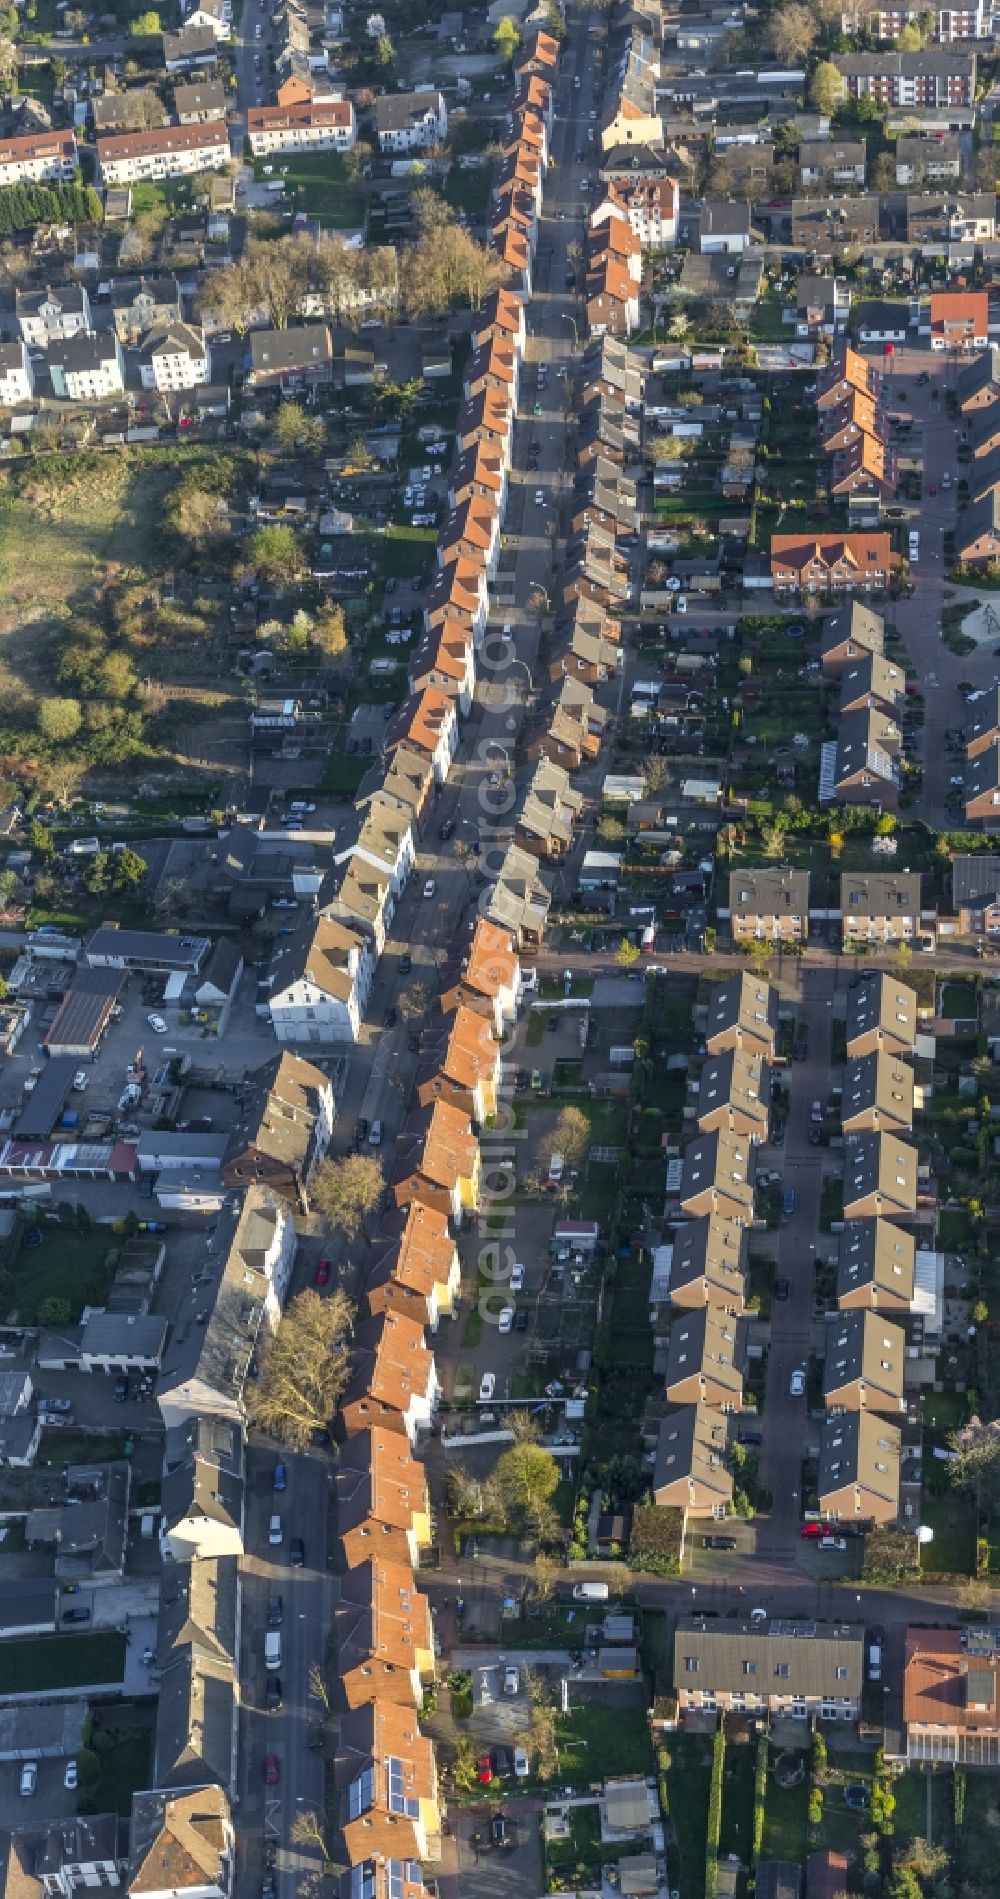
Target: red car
932 488
322 1274
272 1770
484 1769
816 1529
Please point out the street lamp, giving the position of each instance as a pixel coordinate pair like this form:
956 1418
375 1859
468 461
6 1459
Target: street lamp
567 318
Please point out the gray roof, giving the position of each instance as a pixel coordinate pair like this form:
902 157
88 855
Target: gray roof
746 1002
40 1728
769 890
807 1653
984 718
152 947
45 1104
223 966
195 1722
70 298
397 111
980 519
707 1342
283 352
36 1855
883 1165
217 1352
880 893
691 1444
78 355
975 878
204 1485
858 1447
879 1001
198 1603
713 1249
854 622
122 1335
937 62
26 1605
864 1348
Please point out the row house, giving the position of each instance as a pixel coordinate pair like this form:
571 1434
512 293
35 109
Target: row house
769 903
548 813
691 1472
867 761
519 901
958 218
406 780
17 378
145 304
392 1379
828 228
879 906
813 1671
860 1463
822 305
975 893
383 1500
742 1013
847 375
839 162
983 725
173 151
384 1635
652 207
173 359
865 470
843 423
973 22
876 1261
486 421
365 900
284 1131
385 1775
415 1268
460 1063
863 1363
854 633
575 729
489 980
458 591
40 158
708 1265
831 563
872 684
494 365
977 532
314 127
479 475
320 980
445 661
733 1092
428 725
880 1178
385 842
706 1360
613 265
982 473
881 1014
437 1160
981 795
977 384
471 533
877 1095
502 317
718 1176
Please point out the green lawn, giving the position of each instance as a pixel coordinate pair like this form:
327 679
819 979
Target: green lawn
785 1816
317 182
60 1661
469 189
952 1517
62 1448
67 1265
687 1786
402 553
737 1800
596 1741
976 1842
958 1001
342 774
910 1817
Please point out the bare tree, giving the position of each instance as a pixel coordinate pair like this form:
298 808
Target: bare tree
318 1687
572 1136
346 1191
304 1368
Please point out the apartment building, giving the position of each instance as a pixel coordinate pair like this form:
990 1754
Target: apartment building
313 127
40 158
809 1670
172 151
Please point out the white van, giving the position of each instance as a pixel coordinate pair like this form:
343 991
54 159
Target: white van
83 847
590 1592
272 1649
914 543
874 1662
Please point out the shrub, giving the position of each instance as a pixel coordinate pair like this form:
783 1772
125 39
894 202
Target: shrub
759 1796
715 1814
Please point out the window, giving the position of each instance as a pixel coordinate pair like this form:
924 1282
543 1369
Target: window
692 1663
781 1669
749 1668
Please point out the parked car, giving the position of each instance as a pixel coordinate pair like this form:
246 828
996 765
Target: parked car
781 1289
273 1695
718 1542
280 1478
521 1768
29 1777
120 1392
788 1202
157 1024
511 1679
272 1770
275 1532
500 1832
833 1543
71 1777
275 1611
430 887
815 1529
484 1769
405 963
76 1615
856 1796
321 1277
297 1553
503 1763
797 1385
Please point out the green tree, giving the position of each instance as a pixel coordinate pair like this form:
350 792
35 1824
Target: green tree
59 719
273 553
571 1136
329 630
146 24
54 1311
826 88
526 1479
297 431
507 37
10 884
627 954
385 52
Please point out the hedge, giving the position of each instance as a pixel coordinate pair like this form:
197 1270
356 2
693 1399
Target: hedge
714 1831
759 1797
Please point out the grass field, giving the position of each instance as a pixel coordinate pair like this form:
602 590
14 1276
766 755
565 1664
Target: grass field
785 1817
60 1661
56 546
317 182
687 1786
67 1265
596 1741
124 1770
